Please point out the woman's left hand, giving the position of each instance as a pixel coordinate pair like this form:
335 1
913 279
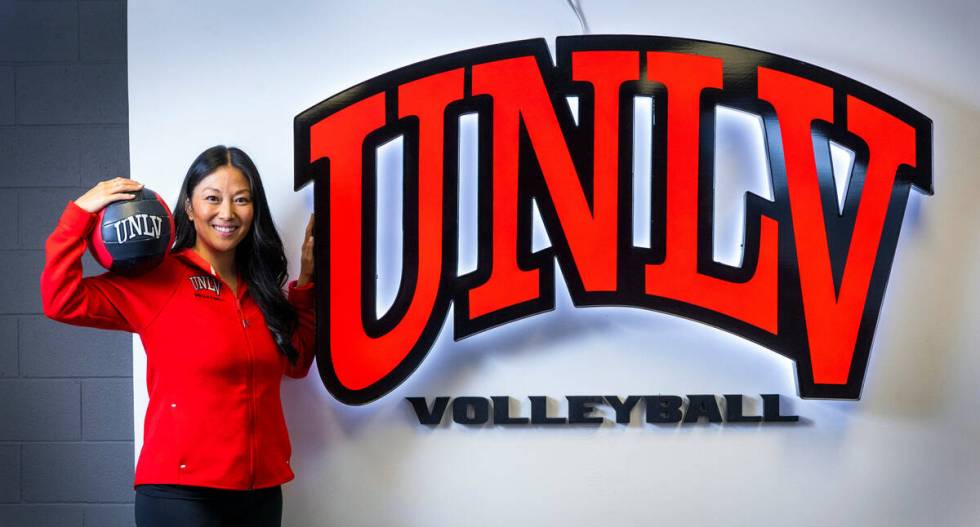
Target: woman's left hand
306 256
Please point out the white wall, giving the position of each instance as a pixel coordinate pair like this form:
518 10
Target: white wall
237 72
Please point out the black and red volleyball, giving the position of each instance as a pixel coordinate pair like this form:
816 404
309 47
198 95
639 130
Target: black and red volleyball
133 236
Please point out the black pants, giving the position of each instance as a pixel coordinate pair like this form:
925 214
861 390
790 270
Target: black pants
178 505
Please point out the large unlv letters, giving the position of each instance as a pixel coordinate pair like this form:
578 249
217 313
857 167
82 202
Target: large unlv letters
812 278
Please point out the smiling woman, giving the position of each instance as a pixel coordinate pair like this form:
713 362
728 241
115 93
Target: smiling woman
219 334
221 211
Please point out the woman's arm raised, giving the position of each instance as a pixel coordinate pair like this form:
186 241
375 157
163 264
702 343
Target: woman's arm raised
302 298
65 295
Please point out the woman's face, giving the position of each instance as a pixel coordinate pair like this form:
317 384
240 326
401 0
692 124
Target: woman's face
221 208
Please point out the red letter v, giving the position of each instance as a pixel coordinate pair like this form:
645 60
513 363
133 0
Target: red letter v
833 320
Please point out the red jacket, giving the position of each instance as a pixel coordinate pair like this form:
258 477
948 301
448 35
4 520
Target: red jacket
213 371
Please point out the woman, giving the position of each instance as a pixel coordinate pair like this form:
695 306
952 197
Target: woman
219 334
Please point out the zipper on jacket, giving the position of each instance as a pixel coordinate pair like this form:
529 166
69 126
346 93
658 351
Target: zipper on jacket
251 380
251 395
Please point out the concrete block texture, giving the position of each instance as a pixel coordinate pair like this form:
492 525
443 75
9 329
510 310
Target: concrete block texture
72 94
19 281
102 31
40 156
62 156
39 213
77 472
8 347
8 219
41 515
38 31
53 349
104 153
66 417
40 410
107 409
109 516
9 474
6 95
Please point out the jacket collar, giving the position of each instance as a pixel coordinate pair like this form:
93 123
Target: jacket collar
188 256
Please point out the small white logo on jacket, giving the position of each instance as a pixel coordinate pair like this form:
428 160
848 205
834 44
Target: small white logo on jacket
206 283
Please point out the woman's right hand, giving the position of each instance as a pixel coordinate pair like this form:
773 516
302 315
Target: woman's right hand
107 192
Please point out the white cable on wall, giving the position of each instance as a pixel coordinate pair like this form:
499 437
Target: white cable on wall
576 6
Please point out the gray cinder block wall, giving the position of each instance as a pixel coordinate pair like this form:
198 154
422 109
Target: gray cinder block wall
66 425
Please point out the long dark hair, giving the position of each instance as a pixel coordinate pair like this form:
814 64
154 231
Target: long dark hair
259 257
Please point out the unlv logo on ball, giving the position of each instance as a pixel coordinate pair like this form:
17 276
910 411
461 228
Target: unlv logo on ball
812 279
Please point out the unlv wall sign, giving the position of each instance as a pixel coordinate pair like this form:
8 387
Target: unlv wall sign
812 279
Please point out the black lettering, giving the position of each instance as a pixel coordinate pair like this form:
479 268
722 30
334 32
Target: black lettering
471 410
428 417
663 408
770 410
734 412
622 407
539 412
581 408
702 406
501 412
